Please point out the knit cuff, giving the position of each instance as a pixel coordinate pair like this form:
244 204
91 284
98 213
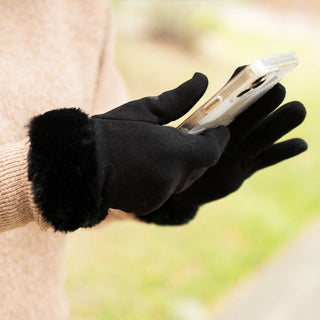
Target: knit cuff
15 207
63 170
170 214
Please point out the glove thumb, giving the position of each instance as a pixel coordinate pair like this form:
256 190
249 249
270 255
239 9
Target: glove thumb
164 108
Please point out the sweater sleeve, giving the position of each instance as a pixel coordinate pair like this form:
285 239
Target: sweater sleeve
111 90
17 207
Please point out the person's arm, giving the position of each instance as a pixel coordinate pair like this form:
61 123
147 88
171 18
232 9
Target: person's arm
17 207
125 159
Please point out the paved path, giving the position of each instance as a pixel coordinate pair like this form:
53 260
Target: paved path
287 288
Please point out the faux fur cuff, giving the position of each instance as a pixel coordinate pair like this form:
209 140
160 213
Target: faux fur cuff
62 168
170 214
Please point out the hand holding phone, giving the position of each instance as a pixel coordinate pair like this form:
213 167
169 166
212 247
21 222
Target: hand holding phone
240 92
252 146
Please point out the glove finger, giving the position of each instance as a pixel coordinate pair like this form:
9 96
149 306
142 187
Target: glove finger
207 147
274 127
279 152
175 103
250 119
193 176
164 108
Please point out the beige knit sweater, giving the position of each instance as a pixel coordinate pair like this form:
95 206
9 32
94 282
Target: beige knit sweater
53 54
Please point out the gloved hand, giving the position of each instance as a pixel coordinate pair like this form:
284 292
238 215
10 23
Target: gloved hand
142 163
251 148
123 159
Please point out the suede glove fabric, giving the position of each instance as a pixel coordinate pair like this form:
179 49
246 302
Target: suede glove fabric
252 147
124 159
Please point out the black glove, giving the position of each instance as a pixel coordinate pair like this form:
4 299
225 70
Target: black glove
123 159
251 148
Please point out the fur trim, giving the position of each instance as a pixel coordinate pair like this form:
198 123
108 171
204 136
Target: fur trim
63 170
170 214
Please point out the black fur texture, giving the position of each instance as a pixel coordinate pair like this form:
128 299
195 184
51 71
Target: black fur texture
63 169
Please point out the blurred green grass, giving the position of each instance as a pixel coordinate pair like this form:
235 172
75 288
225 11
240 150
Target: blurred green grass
135 271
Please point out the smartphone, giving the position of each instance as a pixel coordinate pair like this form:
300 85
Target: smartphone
240 92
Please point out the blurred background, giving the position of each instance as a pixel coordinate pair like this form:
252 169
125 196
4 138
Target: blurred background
135 271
